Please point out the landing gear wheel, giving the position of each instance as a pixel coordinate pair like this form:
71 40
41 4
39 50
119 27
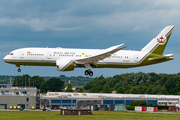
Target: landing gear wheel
86 72
90 73
19 70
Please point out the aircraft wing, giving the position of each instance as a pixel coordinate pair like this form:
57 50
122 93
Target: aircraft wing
94 59
163 57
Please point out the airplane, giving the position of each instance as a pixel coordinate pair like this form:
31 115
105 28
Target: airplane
114 57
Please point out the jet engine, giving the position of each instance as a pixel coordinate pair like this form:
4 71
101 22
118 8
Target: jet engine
65 65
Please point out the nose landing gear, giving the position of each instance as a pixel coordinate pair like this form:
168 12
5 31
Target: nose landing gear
19 70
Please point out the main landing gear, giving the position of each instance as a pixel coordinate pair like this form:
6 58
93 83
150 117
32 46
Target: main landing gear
88 72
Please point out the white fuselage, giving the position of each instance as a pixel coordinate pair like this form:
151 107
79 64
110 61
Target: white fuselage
50 55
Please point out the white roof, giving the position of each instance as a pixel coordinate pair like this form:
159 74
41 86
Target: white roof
107 95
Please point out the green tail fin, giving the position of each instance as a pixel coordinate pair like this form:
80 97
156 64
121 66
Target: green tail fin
158 44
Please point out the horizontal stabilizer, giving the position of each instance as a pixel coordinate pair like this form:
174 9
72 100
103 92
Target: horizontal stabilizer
163 57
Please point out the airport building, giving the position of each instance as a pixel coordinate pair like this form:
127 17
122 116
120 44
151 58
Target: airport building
81 100
6 85
16 96
31 97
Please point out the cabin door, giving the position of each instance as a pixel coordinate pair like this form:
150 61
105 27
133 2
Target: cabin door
49 55
21 55
136 58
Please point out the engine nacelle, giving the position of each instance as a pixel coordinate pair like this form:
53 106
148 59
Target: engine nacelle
65 65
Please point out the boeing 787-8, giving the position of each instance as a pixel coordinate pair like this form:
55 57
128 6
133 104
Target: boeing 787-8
114 57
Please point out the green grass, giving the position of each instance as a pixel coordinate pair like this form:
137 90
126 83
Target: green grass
97 115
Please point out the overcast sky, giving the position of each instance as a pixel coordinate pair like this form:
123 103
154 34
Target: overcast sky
90 24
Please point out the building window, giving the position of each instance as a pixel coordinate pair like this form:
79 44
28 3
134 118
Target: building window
2 92
27 99
162 103
173 103
95 102
88 102
45 102
22 92
81 103
6 92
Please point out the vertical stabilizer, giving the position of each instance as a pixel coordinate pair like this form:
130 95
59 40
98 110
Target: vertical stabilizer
158 44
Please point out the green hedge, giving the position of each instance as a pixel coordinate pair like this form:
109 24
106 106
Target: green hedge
130 107
161 107
138 103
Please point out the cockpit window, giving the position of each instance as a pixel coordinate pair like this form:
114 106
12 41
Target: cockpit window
10 53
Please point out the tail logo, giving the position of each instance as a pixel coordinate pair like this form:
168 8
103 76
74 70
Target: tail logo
161 40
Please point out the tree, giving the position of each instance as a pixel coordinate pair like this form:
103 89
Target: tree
119 84
36 81
138 83
101 77
140 89
134 103
43 87
126 85
139 79
107 89
21 81
120 90
89 85
53 84
134 90
112 89
99 88
150 104
178 93
154 77
69 88
138 103
94 89
156 90
170 86
149 90
77 88
81 90
113 81
163 91
142 103
145 88
27 81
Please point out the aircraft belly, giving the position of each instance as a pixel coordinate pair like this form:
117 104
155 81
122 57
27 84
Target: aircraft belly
115 65
33 62
122 65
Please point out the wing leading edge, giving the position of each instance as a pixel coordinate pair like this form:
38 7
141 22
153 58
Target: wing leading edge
94 59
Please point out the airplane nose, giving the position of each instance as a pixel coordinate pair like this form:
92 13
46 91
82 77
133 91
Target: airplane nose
5 59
